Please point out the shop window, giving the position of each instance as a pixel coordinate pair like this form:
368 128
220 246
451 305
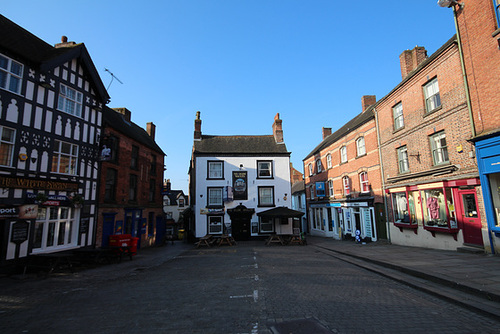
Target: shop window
494 180
215 224
266 225
7 140
397 112
431 94
434 207
54 228
11 74
401 208
215 170
439 148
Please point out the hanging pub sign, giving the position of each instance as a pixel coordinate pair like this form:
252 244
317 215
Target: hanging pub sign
240 189
320 189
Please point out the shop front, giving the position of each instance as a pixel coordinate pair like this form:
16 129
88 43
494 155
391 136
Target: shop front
325 221
442 215
488 161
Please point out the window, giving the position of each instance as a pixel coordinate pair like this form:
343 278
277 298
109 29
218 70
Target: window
152 190
215 170
181 202
266 196
7 139
55 227
343 154
330 188
397 112
363 182
151 229
215 224
311 191
431 94
496 3
134 161
434 204
110 184
403 159
266 225
64 158
264 169
360 146
153 165
400 208
132 193
11 74
346 182
214 196
439 149
310 167
494 180
319 168
70 101
329 160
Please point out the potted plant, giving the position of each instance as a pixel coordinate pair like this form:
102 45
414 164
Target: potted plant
41 198
77 200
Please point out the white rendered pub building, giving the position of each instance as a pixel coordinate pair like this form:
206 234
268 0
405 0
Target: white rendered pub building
235 178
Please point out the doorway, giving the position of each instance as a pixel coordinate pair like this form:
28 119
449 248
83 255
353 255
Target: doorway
240 227
468 216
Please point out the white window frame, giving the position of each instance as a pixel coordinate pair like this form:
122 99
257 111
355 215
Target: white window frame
266 199
439 148
364 183
266 222
214 223
346 183
12 73
329 161
215 170
7 146
397 112
265 172
319 167
360 146
310 166
431 94
215 196
343 154
403 162
60 154
52 220
70 101
331 191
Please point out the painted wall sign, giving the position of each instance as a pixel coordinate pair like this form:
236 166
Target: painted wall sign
29 183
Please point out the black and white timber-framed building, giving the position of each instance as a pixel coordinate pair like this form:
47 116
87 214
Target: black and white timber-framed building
51 99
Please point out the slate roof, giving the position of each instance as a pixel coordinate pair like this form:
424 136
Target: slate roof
173 195
239 145
353 124
298 187
17 42
116 121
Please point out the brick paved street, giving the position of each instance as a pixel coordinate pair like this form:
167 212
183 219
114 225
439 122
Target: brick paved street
249 288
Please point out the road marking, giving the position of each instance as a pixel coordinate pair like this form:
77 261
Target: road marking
255 296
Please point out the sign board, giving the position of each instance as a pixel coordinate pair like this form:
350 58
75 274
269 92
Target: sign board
240 185
320 189
20 232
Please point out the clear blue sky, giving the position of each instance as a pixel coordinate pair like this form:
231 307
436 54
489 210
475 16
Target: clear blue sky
240 62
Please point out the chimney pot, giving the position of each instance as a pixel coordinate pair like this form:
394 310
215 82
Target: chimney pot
326 132
64 39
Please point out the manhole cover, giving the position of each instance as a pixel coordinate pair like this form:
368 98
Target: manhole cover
300 326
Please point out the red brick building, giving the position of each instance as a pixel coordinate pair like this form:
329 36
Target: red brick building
342 180
478 25
131 178
429 171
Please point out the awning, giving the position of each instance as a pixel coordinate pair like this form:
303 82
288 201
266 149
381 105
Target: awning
282 212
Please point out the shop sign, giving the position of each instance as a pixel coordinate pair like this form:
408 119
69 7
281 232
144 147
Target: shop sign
210 211
12 212
332 205
240 185
19 232
31 183
320 189
355 204
52 200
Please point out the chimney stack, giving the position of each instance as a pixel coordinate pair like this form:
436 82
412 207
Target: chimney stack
197 127
151 129
410 59
168 185
127 114
367 101
326 132
64 43
278 129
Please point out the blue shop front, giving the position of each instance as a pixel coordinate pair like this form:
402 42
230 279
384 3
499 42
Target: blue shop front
488 161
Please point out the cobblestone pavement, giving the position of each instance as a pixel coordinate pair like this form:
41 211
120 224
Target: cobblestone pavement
248 288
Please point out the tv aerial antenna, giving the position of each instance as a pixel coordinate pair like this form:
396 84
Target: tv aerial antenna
112 78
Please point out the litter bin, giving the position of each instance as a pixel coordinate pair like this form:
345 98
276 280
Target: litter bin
180 234
133 246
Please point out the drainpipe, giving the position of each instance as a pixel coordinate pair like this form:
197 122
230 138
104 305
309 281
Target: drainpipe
382 175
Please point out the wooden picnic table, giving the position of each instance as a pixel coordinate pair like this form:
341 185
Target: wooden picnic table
207 240
226 240
275 238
